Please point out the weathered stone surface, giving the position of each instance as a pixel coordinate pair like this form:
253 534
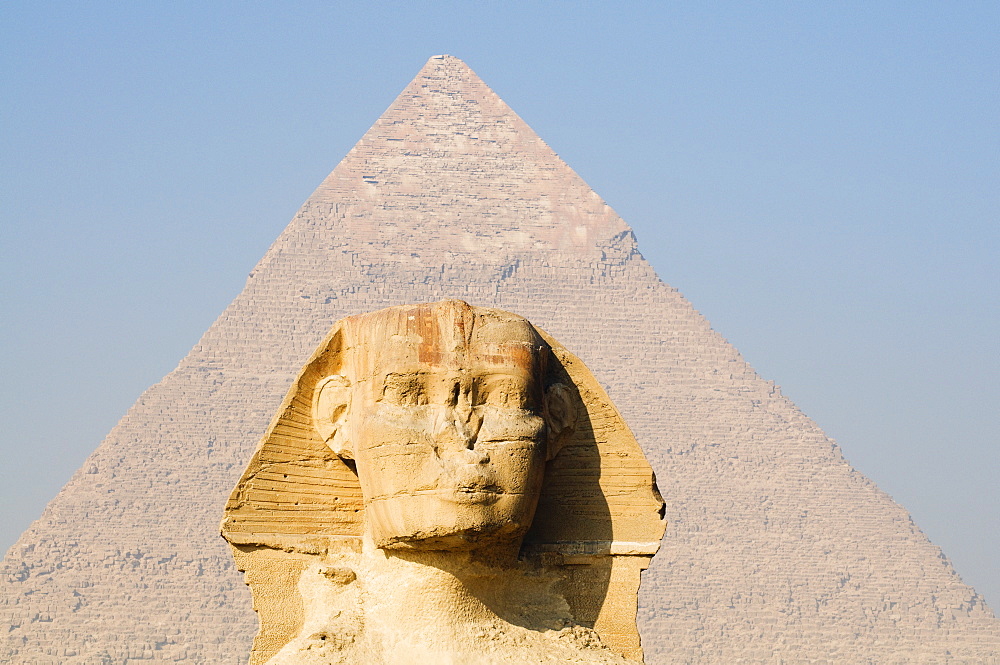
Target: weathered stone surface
777 550
451 424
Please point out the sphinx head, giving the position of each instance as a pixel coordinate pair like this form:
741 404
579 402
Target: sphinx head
448 416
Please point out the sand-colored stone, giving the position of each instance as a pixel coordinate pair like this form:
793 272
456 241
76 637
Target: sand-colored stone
444 432
776 549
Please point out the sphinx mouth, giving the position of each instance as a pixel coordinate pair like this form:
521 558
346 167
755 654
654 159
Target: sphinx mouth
476 493
479 489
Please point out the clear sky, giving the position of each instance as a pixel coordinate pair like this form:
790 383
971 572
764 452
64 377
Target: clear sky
821 180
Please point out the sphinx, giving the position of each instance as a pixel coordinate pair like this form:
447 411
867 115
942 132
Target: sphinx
444 483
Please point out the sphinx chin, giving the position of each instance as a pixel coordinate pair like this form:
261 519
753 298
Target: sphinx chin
459 517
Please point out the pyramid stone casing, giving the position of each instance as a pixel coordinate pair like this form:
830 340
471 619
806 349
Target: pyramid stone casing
777 550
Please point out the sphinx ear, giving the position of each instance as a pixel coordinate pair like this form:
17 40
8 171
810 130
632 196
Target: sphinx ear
560 416
331 402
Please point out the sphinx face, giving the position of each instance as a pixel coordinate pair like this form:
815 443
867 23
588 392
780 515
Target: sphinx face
445 424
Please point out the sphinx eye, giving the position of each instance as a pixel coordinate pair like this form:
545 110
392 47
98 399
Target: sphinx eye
403 389
505 392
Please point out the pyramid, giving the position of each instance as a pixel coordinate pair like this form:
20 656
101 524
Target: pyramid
777 550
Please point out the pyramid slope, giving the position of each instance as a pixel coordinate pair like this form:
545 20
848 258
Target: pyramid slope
777 549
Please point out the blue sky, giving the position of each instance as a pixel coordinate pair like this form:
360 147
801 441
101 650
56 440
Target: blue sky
821 180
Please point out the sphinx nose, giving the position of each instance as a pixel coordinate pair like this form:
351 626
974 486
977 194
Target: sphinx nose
458 426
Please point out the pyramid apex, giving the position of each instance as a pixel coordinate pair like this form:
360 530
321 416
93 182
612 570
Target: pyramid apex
445 60
452 154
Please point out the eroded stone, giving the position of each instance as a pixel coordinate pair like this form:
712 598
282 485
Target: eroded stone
445 417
